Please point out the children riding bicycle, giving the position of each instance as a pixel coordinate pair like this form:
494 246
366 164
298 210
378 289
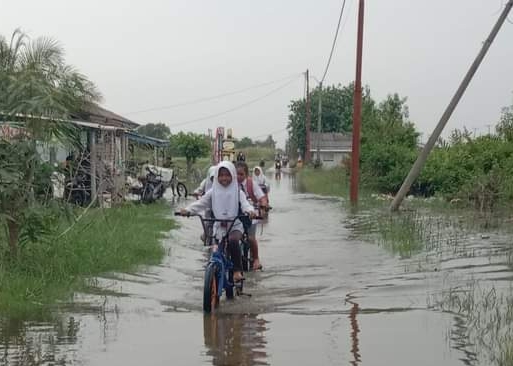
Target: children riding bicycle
225 199
255 194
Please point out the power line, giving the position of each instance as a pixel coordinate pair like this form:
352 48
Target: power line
234 108
205 99
334 41
269 133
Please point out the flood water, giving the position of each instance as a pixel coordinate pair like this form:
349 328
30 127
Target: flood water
325 297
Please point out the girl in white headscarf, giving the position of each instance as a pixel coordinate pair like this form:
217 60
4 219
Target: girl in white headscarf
206 183
224 199
259 178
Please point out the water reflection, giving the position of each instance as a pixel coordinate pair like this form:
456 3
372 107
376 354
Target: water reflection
235 339
461 342
355 329
36 343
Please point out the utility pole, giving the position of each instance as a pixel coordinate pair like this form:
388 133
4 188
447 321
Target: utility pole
421 160
319 126
308 119
357 109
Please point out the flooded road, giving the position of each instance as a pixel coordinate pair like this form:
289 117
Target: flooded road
324 297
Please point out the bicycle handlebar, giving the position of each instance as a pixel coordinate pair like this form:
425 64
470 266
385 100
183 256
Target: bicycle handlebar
178 213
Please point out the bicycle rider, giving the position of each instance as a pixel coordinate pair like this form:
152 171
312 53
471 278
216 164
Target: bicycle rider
255 194
225 199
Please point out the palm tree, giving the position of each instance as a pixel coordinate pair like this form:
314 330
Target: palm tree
38 93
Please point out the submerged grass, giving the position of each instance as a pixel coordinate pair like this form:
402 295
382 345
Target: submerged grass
332 182
485 318
422 224
115 239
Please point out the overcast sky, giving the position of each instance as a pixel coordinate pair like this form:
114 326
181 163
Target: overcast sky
155 53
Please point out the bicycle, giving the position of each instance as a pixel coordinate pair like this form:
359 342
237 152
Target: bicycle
247 257
219 269
179 186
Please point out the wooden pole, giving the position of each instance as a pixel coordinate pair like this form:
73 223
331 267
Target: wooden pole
308 119
421 160
92 141
357 110
319 126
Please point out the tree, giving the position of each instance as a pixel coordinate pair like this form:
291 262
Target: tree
157 130
388 139
505 126
244 143
190 145
38 92
337 113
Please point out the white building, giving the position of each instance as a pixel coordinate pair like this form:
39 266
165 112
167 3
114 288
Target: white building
333 148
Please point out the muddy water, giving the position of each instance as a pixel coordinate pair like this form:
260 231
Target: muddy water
324 298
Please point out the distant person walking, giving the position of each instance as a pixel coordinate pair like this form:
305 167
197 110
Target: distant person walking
241 156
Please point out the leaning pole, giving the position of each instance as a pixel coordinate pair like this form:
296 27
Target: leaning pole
421 160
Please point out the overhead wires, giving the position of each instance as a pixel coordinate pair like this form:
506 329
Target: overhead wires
234 108
334 41
206 99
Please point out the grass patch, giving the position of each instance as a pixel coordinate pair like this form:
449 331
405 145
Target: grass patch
116 239
332 182
486 320
422 224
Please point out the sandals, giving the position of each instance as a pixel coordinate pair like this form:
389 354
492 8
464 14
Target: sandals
240 279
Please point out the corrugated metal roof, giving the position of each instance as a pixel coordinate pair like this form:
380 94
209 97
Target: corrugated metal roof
96 114
331 142
147 139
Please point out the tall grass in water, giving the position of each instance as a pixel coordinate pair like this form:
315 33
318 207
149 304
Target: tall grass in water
404 234
330 182
487 318
116 239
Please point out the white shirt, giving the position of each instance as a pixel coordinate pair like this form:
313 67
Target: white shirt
198 207
257 191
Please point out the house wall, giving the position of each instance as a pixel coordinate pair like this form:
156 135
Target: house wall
330 159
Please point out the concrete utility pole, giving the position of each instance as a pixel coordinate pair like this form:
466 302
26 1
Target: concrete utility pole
319 125
357 109
421 160
308 119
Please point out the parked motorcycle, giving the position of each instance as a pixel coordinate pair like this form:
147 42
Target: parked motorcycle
153 188
77 191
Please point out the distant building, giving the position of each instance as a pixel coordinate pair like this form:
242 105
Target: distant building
333 148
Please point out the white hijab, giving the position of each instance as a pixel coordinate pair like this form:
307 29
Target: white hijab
259 179
225 200
211 173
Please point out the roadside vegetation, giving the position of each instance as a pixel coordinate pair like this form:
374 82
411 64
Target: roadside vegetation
473 171
467 183
70 253
48 248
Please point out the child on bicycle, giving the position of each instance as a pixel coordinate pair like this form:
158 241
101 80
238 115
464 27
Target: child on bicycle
259 178
255 194
225 199
206 183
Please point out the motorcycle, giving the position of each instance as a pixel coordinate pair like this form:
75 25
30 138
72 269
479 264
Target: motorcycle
76 190
153 187
277 165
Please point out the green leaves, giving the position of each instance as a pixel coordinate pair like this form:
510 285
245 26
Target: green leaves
38 92
157 130
190 145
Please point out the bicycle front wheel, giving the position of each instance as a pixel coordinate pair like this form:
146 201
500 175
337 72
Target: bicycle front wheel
245 255
211 292
182 190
